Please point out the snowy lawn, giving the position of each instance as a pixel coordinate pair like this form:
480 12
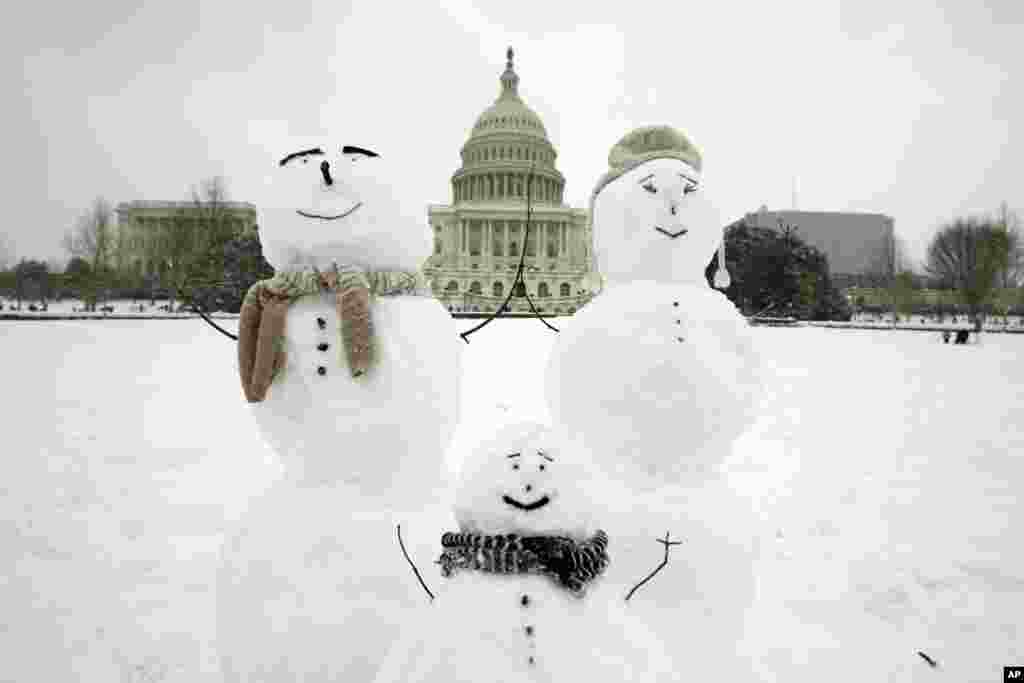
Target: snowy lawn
886 467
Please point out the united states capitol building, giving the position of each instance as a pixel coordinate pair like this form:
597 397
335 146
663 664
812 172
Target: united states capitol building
478 238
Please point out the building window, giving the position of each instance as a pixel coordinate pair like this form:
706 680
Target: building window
453 287
542 290
565 289
531 243
498 289
475 288
437 245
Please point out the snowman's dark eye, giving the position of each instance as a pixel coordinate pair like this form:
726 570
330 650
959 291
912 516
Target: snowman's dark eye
650 188
542 468
516 466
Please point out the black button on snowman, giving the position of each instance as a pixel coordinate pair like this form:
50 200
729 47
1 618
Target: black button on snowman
322 346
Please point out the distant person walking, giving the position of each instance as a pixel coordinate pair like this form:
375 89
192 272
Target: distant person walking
945 336
961 336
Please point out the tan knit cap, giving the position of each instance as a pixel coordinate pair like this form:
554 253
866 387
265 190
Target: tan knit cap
644 144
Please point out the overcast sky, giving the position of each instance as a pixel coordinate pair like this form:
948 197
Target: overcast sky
903 107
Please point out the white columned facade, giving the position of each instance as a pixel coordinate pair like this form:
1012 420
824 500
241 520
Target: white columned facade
507 158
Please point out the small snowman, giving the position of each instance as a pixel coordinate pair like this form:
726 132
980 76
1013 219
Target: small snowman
351 370
521 595
657 376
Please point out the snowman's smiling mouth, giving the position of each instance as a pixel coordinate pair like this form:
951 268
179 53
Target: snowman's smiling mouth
671 235
328 218
535 505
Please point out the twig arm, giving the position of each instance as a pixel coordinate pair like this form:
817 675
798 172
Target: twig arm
398 531
202 314
665 542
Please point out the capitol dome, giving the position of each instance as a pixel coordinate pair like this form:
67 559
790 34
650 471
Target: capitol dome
506 142
507 241
509 114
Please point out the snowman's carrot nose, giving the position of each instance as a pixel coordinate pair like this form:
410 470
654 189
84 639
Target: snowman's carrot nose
325 168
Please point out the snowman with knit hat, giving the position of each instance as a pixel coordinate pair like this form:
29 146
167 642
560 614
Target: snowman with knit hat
351 369
657 376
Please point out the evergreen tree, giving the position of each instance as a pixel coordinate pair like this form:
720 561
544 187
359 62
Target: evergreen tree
776 272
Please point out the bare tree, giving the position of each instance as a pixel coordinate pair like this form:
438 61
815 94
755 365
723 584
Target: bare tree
969 255
92 239
193 241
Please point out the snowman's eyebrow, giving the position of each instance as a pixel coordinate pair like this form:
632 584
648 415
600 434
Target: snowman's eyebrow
545 456
514 455
303 153
644 179
352 149
687 179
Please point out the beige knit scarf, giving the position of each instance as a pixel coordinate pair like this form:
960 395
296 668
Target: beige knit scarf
261 333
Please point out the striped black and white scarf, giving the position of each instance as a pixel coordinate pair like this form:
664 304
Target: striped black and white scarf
569 563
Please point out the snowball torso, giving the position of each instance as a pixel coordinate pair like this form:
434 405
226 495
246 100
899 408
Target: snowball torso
385 431
657 379
316 561
476 630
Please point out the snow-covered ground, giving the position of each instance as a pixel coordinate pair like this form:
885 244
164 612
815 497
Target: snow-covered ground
885 467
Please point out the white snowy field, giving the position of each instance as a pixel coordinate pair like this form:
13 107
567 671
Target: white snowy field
885 466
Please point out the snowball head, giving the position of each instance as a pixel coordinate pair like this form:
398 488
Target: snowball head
656 380
654 222
529 479
385 432
365 215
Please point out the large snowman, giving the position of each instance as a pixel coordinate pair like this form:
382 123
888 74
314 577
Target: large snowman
520 591
657 376
658 373
351 370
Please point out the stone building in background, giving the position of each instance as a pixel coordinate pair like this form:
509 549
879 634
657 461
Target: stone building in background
143 226
478 238
857 244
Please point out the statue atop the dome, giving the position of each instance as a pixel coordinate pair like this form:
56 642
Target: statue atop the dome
509 79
